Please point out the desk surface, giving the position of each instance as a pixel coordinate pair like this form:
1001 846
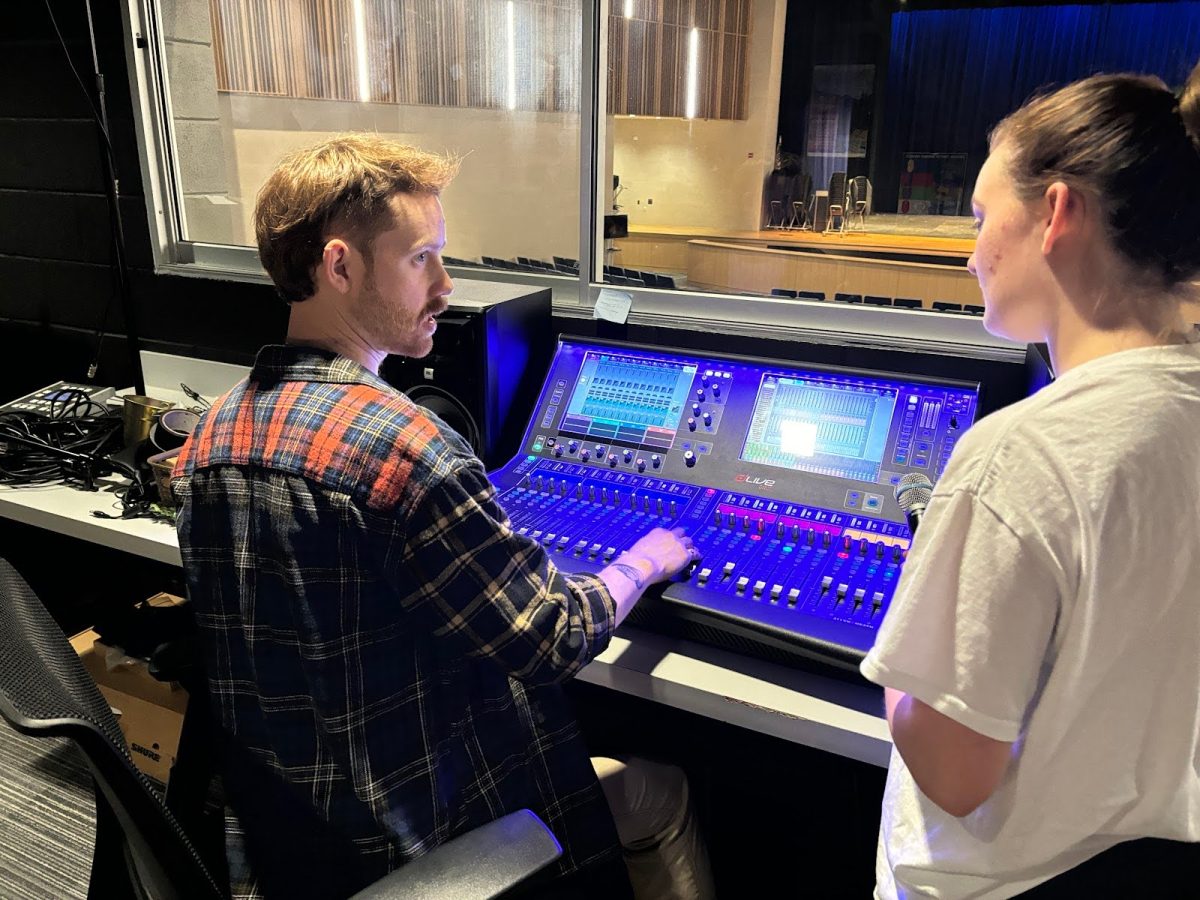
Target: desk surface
831 715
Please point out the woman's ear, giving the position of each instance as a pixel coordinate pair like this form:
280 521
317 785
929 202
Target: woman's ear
1065 211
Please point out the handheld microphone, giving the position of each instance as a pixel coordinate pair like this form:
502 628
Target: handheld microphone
913 493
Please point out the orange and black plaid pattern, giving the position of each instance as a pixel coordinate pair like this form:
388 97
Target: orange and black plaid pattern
383 651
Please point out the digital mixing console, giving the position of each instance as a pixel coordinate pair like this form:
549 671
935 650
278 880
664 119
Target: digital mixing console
782 474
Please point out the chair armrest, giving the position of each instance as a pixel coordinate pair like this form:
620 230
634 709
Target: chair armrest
480 864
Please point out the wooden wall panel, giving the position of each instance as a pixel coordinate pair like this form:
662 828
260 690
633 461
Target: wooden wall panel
712 265
450 53
648 57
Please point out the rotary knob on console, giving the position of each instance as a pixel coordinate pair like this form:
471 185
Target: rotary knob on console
716 389
599 451
691 424
628 455
695 409
641 465
612 460
655 460
573 446
584 454
558 451
700 393
708 418
689 458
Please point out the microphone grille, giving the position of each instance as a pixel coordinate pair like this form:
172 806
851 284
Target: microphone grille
913 490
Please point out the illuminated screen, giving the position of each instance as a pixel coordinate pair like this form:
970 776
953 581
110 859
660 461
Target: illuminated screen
821 424
628 398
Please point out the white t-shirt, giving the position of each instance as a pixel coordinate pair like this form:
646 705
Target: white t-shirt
1052 597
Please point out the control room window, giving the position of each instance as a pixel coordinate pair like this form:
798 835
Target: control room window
829 148
497 82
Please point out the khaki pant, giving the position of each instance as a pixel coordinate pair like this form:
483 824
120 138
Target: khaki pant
664 850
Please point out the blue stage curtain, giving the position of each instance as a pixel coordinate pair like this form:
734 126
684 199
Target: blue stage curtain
953 74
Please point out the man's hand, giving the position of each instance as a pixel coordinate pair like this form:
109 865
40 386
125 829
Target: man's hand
656 556
667 552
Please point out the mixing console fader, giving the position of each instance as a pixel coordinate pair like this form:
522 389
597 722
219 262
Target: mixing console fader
782 475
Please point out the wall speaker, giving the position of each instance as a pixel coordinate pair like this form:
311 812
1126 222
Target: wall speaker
490 354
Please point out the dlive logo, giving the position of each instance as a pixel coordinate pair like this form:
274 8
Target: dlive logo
754 479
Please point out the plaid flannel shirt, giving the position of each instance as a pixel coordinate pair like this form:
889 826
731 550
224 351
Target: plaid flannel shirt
382 649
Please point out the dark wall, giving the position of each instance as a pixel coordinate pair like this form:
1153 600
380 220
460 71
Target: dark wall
55 234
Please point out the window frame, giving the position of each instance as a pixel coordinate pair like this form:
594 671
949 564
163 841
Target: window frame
753 316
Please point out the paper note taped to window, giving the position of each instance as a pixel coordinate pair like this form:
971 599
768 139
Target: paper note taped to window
613 306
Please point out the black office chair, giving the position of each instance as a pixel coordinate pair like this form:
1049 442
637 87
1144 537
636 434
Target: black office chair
141 851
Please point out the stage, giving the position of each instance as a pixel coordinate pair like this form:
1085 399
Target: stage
919 257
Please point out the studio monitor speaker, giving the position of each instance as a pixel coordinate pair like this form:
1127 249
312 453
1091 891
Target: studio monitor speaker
490 354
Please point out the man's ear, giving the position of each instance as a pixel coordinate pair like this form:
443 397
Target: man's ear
335 267
1065 210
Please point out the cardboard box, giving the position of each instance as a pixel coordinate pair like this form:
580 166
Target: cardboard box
150 712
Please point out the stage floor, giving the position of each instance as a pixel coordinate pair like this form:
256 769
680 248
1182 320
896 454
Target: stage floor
947 236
